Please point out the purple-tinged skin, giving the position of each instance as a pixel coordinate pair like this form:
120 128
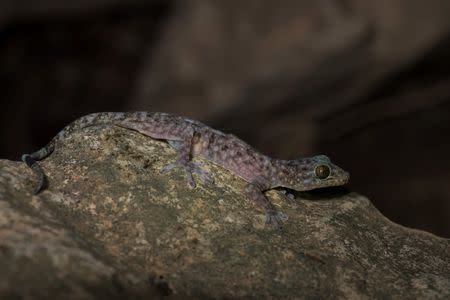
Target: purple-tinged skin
191 138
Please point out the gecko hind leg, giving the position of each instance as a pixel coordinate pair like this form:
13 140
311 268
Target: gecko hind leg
32 162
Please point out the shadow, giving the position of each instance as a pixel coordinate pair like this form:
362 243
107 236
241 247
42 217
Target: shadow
322 194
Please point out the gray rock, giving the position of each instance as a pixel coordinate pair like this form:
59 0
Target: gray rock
111 226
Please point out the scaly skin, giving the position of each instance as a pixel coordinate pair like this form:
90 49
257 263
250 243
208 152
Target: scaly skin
191 138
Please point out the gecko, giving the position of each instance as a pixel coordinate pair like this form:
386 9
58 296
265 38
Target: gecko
192 138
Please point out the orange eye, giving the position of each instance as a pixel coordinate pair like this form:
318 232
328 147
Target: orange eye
322 171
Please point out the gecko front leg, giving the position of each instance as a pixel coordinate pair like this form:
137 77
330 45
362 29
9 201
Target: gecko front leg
184 161
255 190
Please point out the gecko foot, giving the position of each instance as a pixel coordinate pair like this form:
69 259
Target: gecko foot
288 194
276 218
205 176
191 168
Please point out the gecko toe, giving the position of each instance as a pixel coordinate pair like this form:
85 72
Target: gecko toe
204 175
190 180
168 167
186 167
191 168
288 194
276 219
207 178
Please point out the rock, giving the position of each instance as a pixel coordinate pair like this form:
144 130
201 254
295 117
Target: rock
111 226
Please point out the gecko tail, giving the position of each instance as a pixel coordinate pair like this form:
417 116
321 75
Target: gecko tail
86 121
31 161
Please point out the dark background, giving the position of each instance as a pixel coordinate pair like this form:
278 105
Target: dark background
365 82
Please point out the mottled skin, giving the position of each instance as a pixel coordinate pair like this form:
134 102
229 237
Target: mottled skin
191 138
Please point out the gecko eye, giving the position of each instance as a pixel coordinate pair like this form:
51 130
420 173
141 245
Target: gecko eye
322 171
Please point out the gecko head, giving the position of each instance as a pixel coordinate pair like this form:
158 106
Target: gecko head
317 172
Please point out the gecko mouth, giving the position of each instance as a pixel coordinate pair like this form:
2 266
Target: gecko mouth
341 180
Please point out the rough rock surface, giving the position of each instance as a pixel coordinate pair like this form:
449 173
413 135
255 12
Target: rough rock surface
111 226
